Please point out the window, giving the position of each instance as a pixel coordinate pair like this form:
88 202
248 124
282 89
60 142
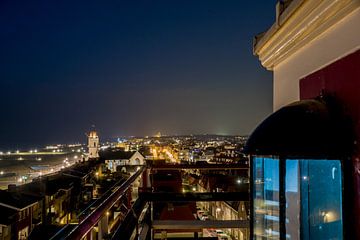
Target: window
293 202
314 199
23 233
266 198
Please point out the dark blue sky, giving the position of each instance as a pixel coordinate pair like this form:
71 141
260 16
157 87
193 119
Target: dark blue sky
130 68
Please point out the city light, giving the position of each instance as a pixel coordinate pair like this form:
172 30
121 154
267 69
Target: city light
163 152
248 187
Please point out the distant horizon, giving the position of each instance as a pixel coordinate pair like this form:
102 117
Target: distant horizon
43 145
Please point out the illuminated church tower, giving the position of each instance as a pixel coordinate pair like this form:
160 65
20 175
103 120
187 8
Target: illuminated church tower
93 145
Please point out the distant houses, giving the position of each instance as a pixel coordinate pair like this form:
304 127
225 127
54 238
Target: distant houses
49 200
19 214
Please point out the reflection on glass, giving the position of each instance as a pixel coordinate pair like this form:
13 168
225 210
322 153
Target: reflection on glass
292 195
314 199
266 198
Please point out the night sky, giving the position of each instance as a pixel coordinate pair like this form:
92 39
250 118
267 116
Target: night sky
130 68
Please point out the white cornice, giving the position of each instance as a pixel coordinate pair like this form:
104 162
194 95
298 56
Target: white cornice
9 206
16 208
306 21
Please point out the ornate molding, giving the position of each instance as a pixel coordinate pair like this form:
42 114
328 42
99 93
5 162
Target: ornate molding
303 22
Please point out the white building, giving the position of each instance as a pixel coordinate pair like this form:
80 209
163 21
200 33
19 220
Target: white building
93 145
305 156
125 159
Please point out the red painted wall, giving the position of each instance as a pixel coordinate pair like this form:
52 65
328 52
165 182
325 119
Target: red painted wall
342 79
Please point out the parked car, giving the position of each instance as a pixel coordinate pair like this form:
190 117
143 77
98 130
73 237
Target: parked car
223 236
218 231
212 232
200 214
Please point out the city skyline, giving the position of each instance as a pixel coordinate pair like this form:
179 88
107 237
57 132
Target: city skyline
130 69
180 120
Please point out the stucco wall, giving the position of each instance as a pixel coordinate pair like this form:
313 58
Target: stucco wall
339 41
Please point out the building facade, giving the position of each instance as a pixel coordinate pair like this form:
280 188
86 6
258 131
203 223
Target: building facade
93 145
305 157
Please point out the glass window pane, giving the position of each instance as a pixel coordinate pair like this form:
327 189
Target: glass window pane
314 199
266 198
292 195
